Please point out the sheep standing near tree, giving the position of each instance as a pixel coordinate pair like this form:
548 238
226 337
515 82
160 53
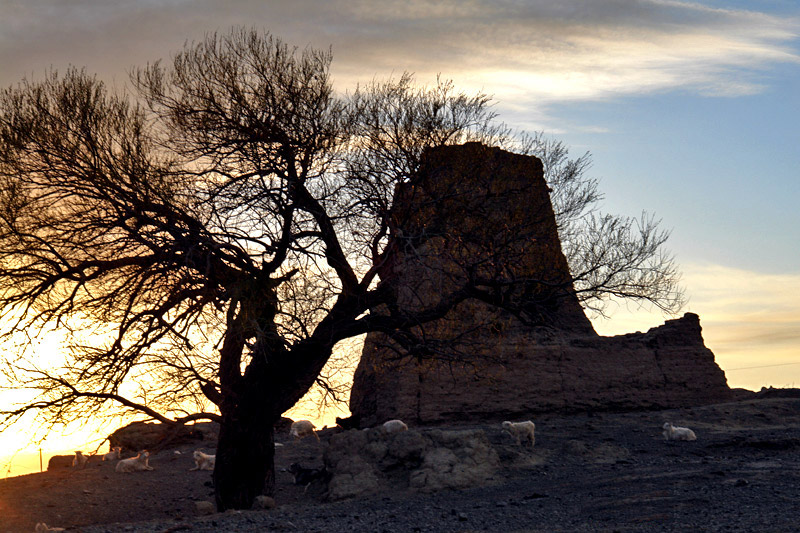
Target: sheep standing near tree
677 433
521 431
79 461
394 426
302 429
203 461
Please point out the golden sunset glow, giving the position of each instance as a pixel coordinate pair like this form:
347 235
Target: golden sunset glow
20 446
689 109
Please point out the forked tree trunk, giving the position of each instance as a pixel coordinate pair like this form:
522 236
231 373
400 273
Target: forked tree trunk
245 463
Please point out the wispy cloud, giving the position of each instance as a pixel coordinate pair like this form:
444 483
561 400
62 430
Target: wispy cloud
572 50
754 312
740 309
533 51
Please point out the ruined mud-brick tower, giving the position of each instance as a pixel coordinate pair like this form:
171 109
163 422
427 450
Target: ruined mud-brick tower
490 365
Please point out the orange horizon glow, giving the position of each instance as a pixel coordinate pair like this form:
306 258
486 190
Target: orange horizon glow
750 321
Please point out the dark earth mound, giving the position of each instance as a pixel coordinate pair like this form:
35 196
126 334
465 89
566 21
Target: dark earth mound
601 472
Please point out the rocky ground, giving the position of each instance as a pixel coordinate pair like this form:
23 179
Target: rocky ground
601 472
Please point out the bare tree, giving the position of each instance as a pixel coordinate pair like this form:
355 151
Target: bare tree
609 256
209 238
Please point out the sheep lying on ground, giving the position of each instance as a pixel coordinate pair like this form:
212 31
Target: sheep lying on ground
203 461
41 527
113 454
521 431
302 429
677 433
394 426
140 462
79 461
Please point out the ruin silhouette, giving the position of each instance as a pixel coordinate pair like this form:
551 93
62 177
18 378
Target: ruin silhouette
481 363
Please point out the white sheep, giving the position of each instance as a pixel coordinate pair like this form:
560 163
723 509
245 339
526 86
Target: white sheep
394 426
41 527
677 433
302 429
140 462
205 508
113 454
521 431
203 461
79 461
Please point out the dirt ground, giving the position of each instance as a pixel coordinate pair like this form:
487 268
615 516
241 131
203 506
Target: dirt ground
601 472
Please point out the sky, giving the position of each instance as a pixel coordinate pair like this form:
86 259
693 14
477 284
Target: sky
690 110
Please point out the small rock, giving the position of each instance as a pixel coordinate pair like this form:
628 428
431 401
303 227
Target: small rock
205 508
535 496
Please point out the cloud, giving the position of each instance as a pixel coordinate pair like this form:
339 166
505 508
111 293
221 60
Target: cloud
752 311
573 50
741 310
750 320
535 51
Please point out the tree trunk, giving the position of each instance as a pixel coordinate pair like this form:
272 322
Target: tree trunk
245 463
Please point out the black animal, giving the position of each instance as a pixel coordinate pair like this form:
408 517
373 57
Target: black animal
306 476
351 422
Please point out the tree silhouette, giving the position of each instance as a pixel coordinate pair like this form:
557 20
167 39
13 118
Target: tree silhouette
210 237
608 255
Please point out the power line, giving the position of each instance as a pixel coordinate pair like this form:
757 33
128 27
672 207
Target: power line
762 366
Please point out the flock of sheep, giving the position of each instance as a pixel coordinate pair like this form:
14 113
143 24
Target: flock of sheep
525 431
522 432
141 462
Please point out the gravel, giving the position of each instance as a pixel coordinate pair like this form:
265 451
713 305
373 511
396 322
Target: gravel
607 472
